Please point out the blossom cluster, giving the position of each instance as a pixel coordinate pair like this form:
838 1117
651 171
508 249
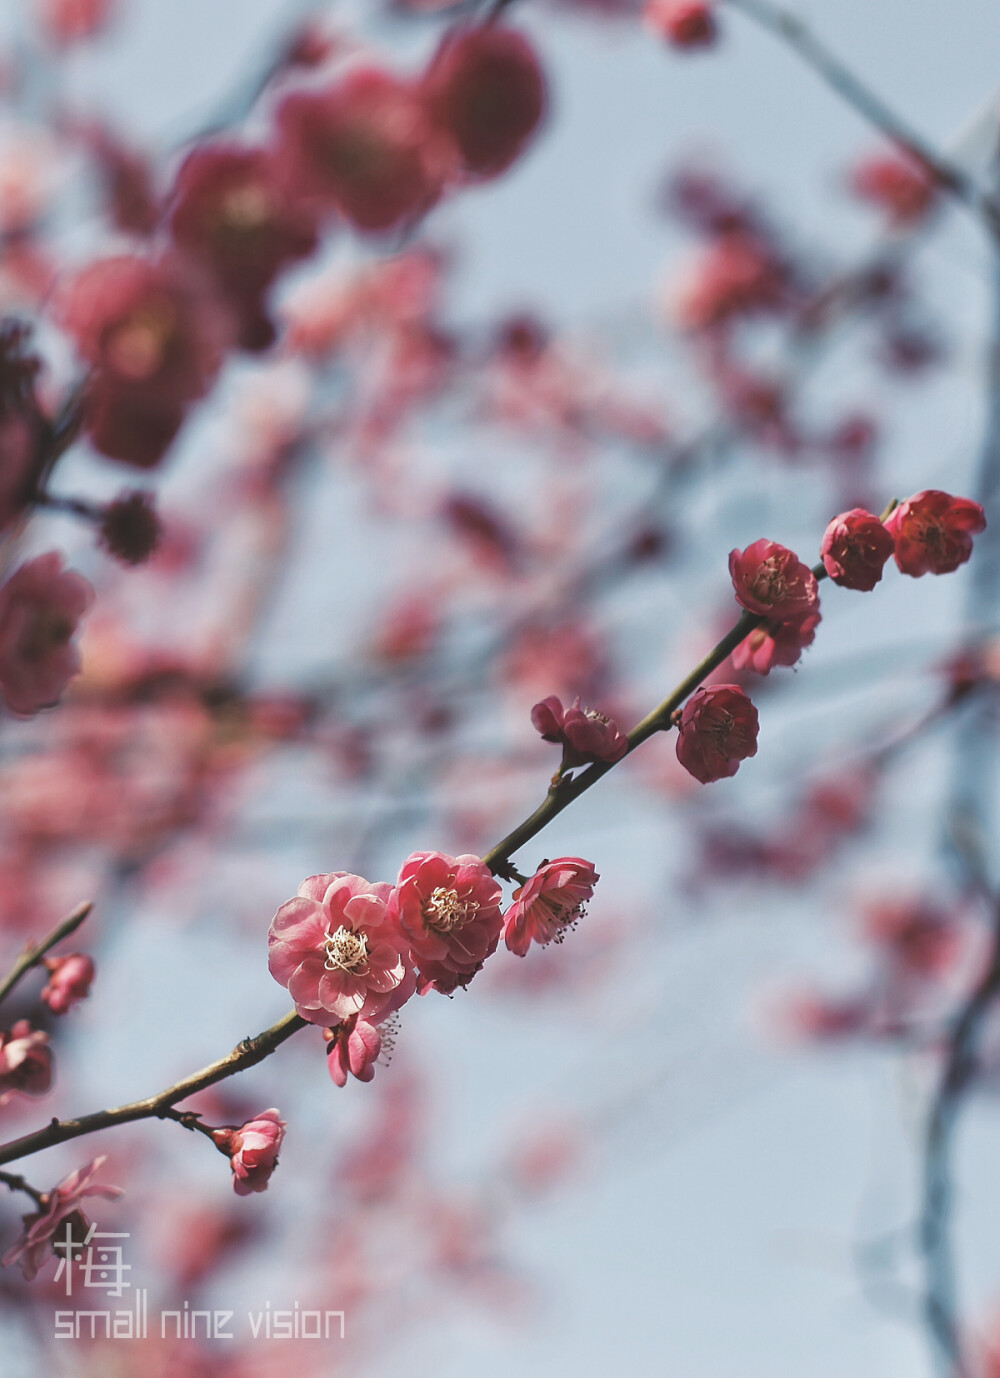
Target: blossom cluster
351 952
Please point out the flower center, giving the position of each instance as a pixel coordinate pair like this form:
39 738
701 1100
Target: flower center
445 911
770 584
595 716
345 950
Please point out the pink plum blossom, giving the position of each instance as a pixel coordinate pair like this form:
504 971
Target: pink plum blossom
253 1150
449 911
354 1046
718 730
933 532
25 1061
771 580
775 643
586 734
40 606
59 1206
855 548
339 951
70 979
548 904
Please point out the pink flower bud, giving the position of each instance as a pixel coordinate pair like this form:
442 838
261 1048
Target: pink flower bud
933 532
855 548
548 905
252 1150
586 735
70 978
683 23
771 580
718 729
354 1047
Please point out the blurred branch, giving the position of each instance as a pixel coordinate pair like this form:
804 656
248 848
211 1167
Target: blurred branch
32 955
870 106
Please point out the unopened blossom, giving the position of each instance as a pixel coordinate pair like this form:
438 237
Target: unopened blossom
365 147
485 89
40 606
585 734
25 1061
683 23
354 1047
130 528
60 1208
70 979
252 1150
550 903
718 730
775 643
448 908
771 580
339 950
904 188
933 532
855 548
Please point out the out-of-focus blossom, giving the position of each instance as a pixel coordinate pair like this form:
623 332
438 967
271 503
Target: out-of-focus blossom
898 185
775 643
60 1206
130 528
354 1047
154 344
25 1061
855 548
252 1150
236 215
365 146
585 734
933 532
40 606
718 730
69 21
449 911
736 276
339 951
486 90
70 979
683 23
920 938
550 903
771 580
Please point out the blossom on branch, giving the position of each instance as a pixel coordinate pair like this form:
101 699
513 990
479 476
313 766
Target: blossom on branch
775 643
855 548
61 1206
898 184
548 905
353 1046
586 735
718 730
25 1061
448 908
252 1150
40 606
339 950
933 532
771 580
485 89
70 979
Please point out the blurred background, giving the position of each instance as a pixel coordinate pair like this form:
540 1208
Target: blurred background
501 448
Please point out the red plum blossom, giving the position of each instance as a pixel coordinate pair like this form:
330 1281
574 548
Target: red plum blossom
718 730
40 606
548 904
933 532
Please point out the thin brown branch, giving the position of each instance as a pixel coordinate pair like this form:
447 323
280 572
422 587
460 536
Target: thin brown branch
33 954
161 1106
